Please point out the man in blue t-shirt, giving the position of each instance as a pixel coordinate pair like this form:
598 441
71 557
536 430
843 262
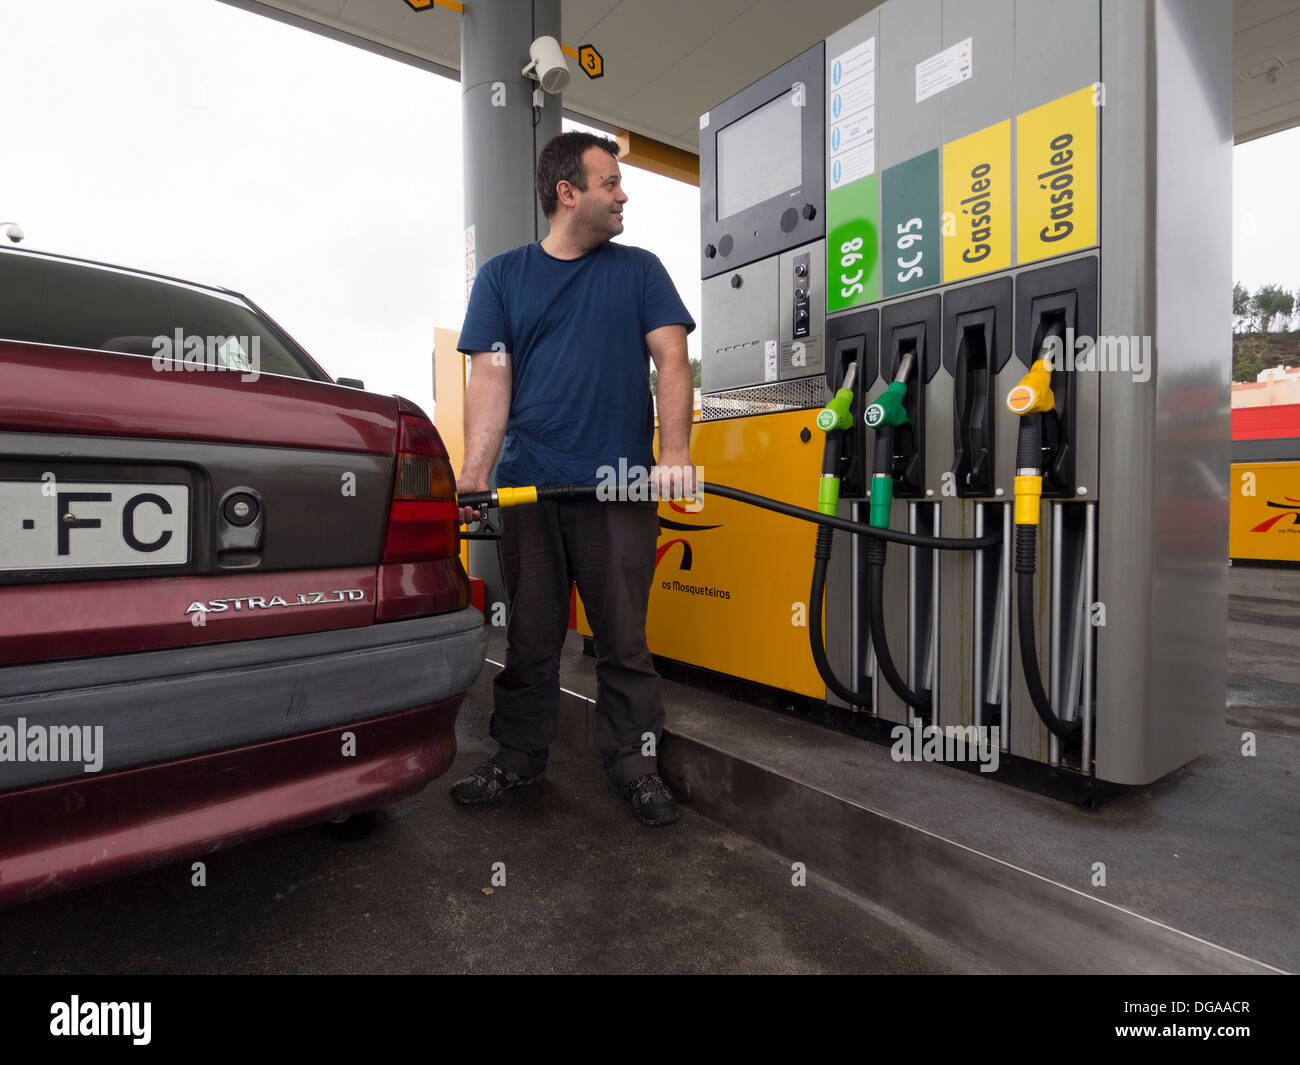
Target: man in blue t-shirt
560 334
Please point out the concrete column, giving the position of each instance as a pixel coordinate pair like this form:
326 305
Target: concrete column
502 135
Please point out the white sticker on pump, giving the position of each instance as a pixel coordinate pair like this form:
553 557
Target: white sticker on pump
704 120
771 360
950 67
851 114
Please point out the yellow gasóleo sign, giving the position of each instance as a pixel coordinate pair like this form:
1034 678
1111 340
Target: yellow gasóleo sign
1056 177
976 222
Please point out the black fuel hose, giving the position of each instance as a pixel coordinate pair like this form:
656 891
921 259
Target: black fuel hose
1029 460
876 622
919 700
859 528
876 626
571 492
882 466
816 602
1029 446
827 524
875 551
1026 562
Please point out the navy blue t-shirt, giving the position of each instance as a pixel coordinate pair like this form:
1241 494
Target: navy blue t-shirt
575 330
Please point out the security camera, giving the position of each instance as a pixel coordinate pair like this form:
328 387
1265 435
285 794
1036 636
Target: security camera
548 66
14 233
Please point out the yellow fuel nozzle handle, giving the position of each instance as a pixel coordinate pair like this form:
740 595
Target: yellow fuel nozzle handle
1033 394
497 497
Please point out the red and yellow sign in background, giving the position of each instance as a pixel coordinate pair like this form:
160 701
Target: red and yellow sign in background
1265 512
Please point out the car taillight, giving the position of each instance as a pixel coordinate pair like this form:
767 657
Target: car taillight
422 523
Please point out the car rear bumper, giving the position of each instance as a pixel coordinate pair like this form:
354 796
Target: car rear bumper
99 826
203 747
115 713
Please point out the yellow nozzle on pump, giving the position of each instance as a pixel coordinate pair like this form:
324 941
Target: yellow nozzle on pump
1033 394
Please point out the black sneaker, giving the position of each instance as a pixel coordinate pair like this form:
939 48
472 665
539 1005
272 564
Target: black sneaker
487 783
651 800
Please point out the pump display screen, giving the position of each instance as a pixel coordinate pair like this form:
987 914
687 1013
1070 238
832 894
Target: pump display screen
758 156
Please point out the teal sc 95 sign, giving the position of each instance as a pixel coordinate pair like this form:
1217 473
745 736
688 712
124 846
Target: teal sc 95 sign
911 252
852 245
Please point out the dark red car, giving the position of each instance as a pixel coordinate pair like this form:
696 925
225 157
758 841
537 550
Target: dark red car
231 599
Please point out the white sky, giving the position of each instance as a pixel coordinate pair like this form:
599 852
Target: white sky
324 182
199 140
1266 224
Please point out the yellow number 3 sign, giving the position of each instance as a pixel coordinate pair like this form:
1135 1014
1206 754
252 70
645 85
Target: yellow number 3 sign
591 61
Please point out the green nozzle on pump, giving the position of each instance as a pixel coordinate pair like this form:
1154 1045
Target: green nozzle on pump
836 413
833 419
887 409
882 500
885 412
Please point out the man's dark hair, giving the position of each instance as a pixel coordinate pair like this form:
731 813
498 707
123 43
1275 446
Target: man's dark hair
561 160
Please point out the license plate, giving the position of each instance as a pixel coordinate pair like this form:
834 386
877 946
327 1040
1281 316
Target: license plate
90 525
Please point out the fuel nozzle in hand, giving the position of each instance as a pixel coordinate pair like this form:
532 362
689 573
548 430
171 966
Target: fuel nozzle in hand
515 497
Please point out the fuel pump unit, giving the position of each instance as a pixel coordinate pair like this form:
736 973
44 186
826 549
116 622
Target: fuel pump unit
967 230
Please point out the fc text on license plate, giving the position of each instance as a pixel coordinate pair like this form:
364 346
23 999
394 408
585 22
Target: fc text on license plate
90 525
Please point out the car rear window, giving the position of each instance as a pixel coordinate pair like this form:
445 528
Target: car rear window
50 301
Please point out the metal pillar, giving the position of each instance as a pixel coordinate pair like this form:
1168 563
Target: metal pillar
502 135
501 141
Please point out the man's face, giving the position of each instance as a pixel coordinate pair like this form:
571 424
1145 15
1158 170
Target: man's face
600 208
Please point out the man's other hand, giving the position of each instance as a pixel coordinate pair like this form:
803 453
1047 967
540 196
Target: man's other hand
675 478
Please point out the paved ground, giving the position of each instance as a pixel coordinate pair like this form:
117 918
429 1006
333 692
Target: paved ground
1264 664
588 889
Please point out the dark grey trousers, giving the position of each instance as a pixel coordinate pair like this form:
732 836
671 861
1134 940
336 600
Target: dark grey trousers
609 550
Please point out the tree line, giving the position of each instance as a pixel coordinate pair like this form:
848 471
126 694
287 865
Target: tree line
1258 313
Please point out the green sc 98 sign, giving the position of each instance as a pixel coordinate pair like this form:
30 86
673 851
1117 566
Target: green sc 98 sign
852 245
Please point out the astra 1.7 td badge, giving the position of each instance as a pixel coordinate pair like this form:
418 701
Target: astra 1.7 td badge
261 602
